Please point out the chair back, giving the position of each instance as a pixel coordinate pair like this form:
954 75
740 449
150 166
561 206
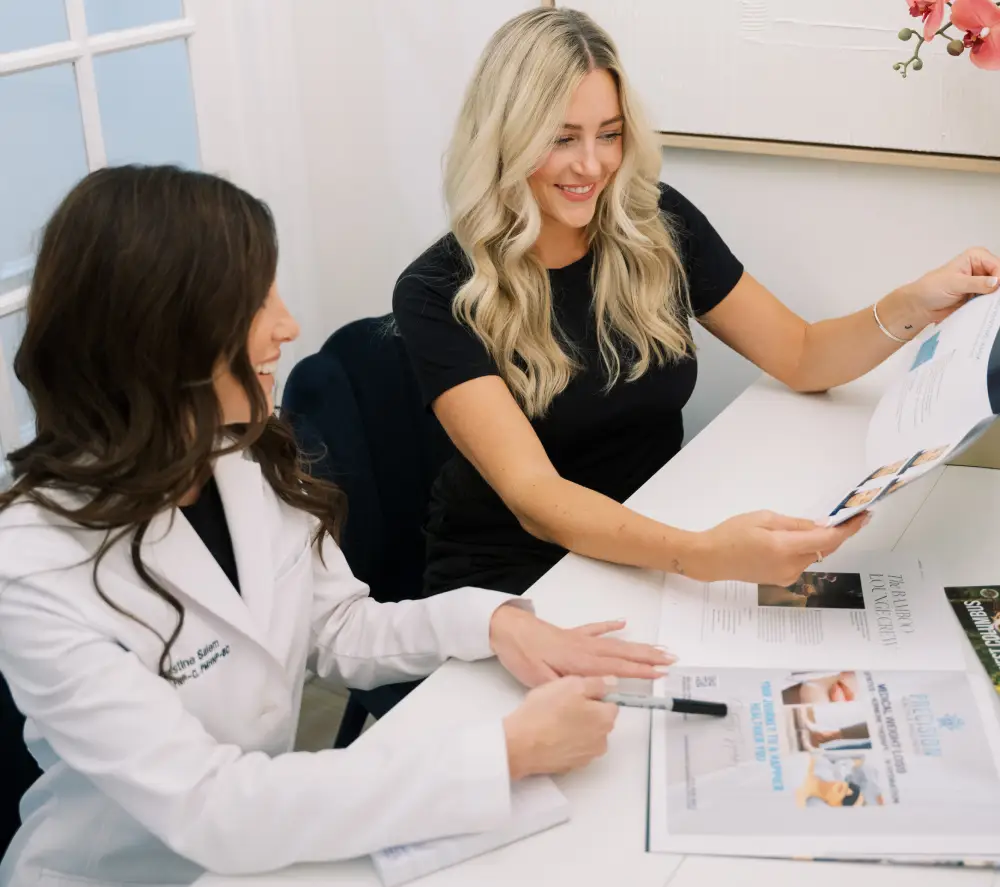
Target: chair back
356 402
19 767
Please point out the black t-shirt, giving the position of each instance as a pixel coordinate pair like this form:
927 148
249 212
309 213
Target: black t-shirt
208 518
610 441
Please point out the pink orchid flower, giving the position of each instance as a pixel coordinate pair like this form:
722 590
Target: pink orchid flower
931 11
980 19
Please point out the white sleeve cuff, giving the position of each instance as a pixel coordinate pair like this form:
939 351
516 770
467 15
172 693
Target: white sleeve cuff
463 617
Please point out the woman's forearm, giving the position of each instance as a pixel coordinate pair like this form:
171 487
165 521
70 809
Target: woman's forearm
835 352
596 526
756 547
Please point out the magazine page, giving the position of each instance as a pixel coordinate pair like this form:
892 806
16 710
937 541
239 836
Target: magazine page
873 609
827 764
946 400
885 480
950 389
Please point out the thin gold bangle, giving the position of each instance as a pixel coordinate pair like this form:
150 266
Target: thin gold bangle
881 326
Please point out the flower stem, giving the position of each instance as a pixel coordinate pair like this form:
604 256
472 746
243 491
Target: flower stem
904 67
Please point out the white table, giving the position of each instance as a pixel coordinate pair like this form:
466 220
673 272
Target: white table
769 449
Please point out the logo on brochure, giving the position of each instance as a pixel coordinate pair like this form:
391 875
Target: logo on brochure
951 722
926 352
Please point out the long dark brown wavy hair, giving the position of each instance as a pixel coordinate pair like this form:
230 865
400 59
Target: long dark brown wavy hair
146 278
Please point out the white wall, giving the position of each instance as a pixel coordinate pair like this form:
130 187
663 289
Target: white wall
380 82
827 238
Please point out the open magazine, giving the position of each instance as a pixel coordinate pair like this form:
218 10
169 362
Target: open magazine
941 406
857 734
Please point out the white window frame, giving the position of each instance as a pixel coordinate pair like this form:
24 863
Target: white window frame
249 130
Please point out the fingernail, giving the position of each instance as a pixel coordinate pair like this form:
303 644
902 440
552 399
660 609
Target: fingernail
610 680
992 281
866 519
661 669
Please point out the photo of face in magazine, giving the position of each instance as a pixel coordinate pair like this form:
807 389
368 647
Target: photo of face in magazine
858 499
873 489
839 782
884 471
827 591
925 457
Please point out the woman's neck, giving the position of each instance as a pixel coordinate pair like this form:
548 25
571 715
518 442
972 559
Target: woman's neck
190 497
559 245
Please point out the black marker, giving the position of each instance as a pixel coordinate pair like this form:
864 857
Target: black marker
670 703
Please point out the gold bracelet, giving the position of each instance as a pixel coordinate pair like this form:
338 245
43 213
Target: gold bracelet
881 326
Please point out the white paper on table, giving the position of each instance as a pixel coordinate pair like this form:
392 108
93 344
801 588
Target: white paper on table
871 609
536 805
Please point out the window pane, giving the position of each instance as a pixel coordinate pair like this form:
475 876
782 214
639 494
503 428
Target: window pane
11 330
147 105
42 155
114 15
26 25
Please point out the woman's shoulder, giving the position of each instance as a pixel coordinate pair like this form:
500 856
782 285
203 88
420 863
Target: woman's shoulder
679 208
53 551
437 274
696 234
26 519
712 269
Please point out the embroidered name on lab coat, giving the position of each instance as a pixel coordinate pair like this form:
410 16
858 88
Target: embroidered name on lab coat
189 668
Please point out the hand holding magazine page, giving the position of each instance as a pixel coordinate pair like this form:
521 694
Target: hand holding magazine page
946 400
873 744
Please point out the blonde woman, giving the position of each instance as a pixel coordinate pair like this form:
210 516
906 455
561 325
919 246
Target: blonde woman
549 330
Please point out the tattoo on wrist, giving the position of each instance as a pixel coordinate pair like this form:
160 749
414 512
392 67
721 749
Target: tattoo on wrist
678 568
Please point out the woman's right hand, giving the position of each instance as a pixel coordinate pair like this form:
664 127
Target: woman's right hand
560 726
766 548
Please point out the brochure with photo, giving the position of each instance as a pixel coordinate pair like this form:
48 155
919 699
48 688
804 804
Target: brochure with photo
861 738
825 764
879 610
937 411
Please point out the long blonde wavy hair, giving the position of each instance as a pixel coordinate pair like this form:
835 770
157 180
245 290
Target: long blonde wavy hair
512 113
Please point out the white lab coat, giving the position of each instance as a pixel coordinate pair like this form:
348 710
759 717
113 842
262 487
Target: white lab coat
148 783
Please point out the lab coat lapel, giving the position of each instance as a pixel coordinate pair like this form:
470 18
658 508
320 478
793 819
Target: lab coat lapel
178 557
241 486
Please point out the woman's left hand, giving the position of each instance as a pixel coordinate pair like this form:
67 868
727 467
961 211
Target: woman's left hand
535 651
944 290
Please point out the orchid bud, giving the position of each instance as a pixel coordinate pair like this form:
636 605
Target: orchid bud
905 34
917 64
956 47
